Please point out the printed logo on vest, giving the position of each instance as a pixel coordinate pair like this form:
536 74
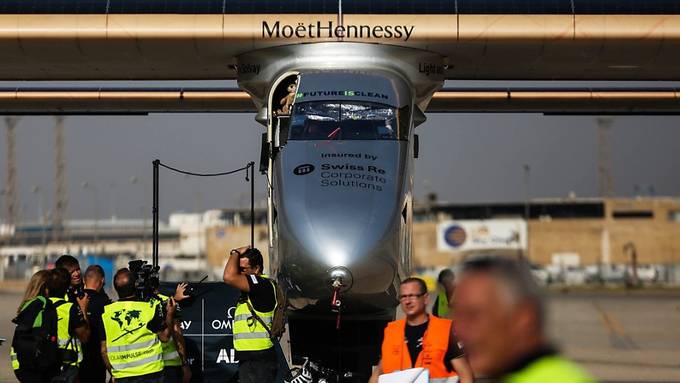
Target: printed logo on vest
125 318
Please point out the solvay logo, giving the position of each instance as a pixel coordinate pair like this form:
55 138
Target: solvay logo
455 236
304 169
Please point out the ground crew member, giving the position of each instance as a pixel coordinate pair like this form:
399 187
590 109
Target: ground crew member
176 368
421 340
446 281
132 334
254 347
33 302
500 318
71 265
93 370
72 324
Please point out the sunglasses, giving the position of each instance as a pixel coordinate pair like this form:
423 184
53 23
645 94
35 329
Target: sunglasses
410 296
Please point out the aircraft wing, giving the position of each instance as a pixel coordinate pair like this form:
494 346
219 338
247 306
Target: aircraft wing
199 39
611 100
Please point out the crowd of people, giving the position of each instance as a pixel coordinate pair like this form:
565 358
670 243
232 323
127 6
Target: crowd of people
69 330
487 321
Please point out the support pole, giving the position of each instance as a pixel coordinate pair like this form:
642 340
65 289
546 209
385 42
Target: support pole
10 191
156 164
251 165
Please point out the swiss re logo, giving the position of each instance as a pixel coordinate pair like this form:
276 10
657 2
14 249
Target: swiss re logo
301 170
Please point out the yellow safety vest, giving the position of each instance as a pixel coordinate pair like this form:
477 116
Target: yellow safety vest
36 323
554 369
65 339
132 348
13 357
442 304
12 354
249 334
170 354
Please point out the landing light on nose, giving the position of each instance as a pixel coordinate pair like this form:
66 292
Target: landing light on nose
340 278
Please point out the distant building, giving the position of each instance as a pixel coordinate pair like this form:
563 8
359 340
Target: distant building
582 231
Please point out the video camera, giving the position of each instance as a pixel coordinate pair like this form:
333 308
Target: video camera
146 279
77 291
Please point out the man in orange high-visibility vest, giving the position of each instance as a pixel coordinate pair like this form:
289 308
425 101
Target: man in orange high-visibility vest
422 340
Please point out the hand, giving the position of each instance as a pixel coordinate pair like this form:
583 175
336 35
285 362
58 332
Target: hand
83 302
186 374
179 292
242 249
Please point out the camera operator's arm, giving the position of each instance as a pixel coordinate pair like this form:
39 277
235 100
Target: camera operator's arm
105 356
163 325
232 271
182 351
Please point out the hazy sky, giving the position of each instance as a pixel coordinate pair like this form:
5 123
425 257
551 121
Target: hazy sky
463 158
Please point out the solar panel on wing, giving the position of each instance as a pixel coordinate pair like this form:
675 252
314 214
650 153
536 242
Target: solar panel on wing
348 6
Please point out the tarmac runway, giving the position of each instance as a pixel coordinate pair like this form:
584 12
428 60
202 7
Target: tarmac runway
617 336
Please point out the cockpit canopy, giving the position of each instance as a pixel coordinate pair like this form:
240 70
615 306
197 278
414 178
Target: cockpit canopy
348 120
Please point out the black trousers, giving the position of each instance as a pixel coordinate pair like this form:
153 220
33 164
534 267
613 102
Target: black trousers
156 377
172 374
257 371
28 376
92 372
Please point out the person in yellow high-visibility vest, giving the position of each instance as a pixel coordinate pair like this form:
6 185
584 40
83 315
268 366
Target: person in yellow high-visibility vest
132 334
500 319
446 284
31 309
254 346
71 264
73 327
176 366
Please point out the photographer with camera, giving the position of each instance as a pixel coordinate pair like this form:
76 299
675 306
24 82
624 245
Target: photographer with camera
72 324
254 316
176 367
134 327
75 288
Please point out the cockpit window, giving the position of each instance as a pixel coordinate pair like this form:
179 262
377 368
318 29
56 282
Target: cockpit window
324 120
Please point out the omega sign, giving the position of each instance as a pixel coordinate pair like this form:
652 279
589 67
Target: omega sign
304 169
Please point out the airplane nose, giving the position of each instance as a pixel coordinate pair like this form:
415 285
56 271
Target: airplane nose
356 245
341 217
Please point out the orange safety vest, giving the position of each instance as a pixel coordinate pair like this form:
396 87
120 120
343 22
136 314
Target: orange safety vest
395 355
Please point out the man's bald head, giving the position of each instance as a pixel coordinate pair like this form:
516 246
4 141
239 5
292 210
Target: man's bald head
124 283
94 277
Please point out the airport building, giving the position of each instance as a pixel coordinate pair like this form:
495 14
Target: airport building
594 235
590 230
